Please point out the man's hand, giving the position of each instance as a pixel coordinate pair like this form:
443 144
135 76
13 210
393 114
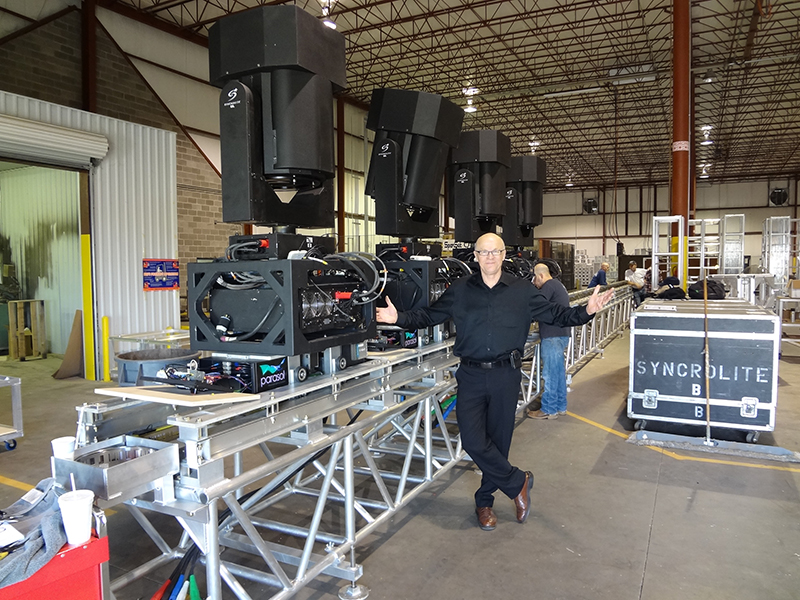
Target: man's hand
386 315
597 301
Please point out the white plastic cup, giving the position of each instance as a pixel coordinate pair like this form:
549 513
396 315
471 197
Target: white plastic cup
63 447
76 513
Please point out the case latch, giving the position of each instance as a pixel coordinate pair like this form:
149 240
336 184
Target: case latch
749 407
650 399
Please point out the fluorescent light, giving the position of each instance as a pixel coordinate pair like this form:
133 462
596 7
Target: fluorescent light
636 74
633 80
572 92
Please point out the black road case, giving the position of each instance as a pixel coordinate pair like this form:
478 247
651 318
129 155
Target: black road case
667 371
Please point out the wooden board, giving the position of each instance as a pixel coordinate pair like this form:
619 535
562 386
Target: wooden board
169 395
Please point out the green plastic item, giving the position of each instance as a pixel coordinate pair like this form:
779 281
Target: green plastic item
194 592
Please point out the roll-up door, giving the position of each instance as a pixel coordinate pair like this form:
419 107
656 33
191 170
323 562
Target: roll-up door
26 140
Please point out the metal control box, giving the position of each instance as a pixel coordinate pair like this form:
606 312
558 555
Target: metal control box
667 378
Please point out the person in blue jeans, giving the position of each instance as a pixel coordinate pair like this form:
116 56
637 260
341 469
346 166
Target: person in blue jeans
554 341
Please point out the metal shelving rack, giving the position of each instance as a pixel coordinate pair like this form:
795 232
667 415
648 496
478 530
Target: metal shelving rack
732 251
10 433
779 250
668 250
703 248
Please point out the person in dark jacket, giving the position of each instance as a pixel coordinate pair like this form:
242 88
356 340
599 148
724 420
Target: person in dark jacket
492 311
554 341
600 277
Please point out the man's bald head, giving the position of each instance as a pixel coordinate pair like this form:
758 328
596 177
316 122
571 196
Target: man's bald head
489 241
541 274
541 269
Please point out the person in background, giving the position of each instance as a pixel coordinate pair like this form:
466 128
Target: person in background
492 311
554 341
635 279
600 277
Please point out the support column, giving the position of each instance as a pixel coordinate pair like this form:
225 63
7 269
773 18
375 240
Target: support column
681 58
89 55
681 118
340 193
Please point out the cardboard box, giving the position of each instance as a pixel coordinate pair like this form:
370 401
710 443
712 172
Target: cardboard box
794 288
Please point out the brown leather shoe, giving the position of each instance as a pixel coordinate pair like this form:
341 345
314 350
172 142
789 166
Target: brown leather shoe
486 518
540 414
523 499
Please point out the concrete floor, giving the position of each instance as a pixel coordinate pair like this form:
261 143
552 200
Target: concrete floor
610 520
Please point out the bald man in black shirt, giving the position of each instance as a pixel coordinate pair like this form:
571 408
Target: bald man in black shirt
492 311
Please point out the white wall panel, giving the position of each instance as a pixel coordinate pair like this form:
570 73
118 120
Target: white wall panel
154 45
133 194
33 9
194 104
39 214
209 146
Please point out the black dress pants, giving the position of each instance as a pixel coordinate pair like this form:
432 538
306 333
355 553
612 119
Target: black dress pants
487 403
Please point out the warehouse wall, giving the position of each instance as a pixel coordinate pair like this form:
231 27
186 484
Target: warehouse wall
631 219
45 64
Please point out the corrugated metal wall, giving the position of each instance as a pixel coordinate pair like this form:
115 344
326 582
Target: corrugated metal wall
39 215
134 214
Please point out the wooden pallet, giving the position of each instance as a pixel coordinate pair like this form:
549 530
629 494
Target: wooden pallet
26 330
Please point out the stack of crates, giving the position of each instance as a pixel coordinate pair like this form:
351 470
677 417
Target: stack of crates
583 268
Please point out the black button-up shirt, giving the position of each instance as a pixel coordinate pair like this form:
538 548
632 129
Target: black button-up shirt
492 322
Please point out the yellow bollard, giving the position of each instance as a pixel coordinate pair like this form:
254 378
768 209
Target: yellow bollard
106 359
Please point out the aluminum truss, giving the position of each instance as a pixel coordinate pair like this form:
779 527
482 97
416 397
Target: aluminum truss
319 465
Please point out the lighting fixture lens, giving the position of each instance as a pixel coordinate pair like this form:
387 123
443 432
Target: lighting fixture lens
704 176
329 23
706 142
470 91
569 184
706 128
469 108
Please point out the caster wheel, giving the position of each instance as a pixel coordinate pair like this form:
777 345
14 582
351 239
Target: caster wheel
752 437
341 363
301 374
640 424
11 444
446 334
